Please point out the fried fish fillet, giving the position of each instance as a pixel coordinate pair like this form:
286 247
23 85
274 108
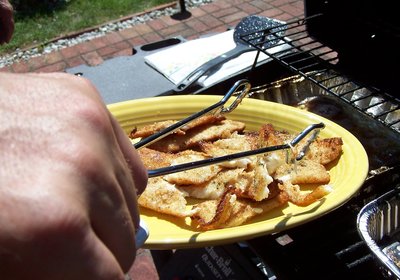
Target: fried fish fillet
250 177
238 190
251 184
230 211
215 188
325 150
212 214
153 159
303 172
164 197
304 199
322 151
259 189
150 129
269 136
245 209
234 144
194 176
192 137
253 181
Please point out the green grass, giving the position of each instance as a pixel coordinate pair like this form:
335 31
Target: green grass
36 23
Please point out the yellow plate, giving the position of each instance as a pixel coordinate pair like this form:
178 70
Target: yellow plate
167 232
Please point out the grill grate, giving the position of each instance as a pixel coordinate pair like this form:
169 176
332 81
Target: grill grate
312 60
347 256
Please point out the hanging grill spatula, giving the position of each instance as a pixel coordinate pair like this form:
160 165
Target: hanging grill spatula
250 24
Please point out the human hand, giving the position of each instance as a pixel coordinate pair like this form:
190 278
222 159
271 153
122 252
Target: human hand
68 177
6 21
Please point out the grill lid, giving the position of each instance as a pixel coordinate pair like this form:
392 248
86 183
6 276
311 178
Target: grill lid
365 33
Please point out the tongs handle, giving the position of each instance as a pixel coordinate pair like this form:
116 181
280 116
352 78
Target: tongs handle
201 163
218 108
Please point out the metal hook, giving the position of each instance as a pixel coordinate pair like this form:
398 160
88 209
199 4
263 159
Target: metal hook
239 84
218 107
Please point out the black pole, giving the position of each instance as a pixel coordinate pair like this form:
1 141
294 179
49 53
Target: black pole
184 13
182 4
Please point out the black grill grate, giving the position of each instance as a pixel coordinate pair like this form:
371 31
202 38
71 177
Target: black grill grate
345 255
312 59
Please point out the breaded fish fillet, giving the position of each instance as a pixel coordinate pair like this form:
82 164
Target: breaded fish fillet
245 209
212 214
153 159
194 176
150 129
193 137
164 197
259 188
325 150
322 151
234 144
303 172
230 211
269 136
238 190
304 199
251 184
215 188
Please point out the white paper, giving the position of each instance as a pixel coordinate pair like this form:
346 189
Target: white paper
176 62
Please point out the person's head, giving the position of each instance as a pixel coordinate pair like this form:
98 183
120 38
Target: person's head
6 21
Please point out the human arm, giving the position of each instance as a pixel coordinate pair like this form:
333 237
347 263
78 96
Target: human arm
6 21
68 182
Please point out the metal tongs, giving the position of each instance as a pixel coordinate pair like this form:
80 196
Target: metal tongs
241 89
201 163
